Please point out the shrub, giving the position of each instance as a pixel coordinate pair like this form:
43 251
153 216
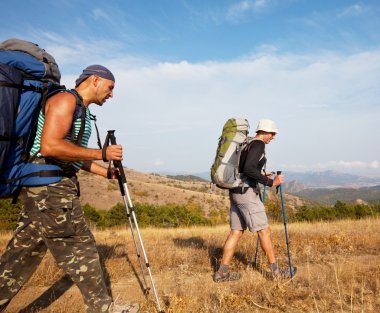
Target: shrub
91 214
340 210
9 214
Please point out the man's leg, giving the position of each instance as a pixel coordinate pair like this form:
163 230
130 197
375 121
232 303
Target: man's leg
20 259
78 256
266 244
56 213
223 273
253 212
230 246
237 225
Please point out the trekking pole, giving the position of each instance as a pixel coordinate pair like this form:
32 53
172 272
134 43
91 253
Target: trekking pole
125 194
285 228
258 237
121 181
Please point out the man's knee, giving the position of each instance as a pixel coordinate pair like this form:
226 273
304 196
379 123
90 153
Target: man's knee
236 234
266 232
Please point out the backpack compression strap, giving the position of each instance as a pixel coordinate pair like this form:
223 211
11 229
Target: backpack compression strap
42 173
31 88
19 86
8 138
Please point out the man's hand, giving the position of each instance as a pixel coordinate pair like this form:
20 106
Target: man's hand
278 180
115 173
114 153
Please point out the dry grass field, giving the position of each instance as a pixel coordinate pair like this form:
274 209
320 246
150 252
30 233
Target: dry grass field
338 271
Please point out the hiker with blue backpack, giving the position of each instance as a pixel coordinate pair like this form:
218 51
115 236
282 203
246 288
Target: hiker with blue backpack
52 217
247 209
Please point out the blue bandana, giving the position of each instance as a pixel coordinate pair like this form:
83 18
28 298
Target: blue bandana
97 70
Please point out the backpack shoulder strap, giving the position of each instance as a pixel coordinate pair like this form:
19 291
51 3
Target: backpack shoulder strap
80 111
83 116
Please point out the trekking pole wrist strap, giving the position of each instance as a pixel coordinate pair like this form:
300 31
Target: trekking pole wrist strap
104 153
109 170
104 149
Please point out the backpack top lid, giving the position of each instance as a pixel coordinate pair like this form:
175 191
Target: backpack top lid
236 125
51 71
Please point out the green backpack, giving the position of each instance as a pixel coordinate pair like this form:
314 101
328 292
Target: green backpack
234 139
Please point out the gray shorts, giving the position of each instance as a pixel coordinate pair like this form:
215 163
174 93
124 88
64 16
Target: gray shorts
247 211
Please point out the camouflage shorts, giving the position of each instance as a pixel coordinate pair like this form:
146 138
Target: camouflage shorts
53 219
56 209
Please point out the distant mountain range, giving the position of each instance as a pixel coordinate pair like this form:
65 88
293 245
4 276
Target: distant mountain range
331 179
188 178
324 179
324 187
348 195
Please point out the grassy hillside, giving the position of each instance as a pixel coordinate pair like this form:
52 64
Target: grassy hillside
338 271
159 190
179 201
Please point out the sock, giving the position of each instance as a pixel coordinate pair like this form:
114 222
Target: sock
274 267
223 268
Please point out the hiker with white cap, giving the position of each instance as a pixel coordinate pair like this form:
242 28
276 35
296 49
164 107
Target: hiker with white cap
247 210
52 217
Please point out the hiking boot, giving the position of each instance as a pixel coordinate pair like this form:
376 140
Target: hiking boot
284 273
124 308
229 276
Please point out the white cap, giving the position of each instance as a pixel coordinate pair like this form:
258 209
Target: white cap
267 126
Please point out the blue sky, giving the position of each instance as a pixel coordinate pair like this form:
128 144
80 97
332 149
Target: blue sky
184 67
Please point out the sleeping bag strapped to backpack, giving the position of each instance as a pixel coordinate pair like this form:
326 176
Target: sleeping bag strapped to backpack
225 169
27 74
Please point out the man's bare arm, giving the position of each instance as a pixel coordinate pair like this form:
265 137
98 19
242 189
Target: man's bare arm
58 120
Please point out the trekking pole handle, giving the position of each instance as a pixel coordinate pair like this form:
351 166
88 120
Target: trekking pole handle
279 186
116 163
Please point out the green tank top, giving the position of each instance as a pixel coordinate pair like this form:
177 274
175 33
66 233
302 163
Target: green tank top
35 150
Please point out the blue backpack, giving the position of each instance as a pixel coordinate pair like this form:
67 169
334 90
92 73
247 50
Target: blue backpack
27 75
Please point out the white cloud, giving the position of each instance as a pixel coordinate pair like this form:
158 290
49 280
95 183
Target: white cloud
72 54
349 165
158 163
354 10
100 14
323 103
238 10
